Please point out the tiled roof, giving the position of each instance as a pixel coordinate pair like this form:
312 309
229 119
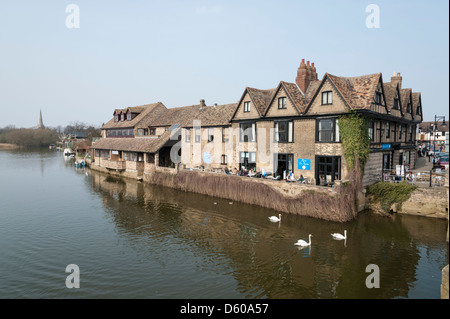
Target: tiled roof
261 98
296 96
358 92
404 97
148 112
415 101
137 144
177 115
389 94
218 115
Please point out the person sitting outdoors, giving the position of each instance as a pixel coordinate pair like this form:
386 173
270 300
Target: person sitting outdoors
301 179
227 171
290 178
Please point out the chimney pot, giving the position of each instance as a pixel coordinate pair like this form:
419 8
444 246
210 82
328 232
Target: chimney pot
307 63
303 61
202 103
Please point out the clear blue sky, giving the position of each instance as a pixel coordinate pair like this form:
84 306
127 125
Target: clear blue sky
129 53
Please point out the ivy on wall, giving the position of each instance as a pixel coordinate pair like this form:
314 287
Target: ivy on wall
354 134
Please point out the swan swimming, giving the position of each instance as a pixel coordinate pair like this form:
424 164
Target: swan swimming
339 236
275 219
301 242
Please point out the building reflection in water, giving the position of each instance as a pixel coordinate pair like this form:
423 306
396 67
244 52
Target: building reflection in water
237 239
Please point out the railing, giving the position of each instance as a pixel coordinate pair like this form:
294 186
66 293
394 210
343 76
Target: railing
432 178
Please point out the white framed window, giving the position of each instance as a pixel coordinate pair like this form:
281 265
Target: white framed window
327 97
282 102
246 106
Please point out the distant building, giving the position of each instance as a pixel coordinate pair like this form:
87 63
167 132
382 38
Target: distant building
41 123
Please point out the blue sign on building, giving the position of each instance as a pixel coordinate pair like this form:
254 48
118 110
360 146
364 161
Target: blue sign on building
385 146
304 164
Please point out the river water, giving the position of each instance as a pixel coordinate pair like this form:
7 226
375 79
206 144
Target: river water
133 240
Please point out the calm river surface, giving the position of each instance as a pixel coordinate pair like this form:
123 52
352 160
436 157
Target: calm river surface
132 240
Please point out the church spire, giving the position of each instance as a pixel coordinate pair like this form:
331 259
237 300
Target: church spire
40 124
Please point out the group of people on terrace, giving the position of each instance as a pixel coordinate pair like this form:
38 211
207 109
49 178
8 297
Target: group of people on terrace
263 174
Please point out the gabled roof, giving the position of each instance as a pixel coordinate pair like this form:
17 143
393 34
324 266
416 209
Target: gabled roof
260 98
416 98
390 91
147 114
296 96
405 95
358 92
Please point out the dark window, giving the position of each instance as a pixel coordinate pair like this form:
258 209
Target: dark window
378 98
210 134
223 159
282 103
129 117
327 98
396 102
246 106
328 169
152 131
388 130
327 130
247 160
408 107
284 131
116 118
386 161
248 132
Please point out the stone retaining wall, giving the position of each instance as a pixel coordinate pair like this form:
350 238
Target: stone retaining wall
429 202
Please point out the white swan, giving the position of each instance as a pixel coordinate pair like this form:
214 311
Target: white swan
339 236
301 242
275 219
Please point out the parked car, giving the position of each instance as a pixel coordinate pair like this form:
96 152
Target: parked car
443 161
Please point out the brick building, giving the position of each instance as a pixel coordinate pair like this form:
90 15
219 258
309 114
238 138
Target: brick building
292 128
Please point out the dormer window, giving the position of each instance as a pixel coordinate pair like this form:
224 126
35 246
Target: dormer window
122 117
282 102
116 117
378 98
396 102
418 109
246 106
129 116
327 97
408 108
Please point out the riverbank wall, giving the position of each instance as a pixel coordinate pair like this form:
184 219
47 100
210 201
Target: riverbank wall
339 204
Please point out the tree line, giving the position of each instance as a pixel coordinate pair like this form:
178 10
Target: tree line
33 137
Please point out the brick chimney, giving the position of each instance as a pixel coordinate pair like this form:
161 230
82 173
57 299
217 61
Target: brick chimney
305 74
396 78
